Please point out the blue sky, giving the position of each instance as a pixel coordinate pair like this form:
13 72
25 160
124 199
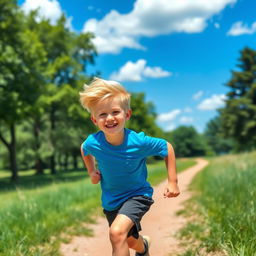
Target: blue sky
180 53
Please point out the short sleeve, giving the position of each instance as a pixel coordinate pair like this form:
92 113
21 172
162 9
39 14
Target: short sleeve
154 146
86 146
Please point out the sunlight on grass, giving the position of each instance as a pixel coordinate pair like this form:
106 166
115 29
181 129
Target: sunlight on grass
226 205
32 216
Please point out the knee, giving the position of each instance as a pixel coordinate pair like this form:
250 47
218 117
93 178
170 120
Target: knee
117 234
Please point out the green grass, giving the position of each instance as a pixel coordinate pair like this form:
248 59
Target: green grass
226 206
157 171
35 219
31 218
28 179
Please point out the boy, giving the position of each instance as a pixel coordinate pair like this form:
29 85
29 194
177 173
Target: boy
121 157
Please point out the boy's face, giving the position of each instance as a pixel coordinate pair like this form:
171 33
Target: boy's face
110 117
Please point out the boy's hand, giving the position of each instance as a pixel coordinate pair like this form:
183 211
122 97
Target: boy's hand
171 190
95 177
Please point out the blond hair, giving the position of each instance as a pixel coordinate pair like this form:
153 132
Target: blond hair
99 90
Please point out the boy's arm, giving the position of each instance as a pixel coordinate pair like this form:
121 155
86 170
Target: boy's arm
90 165
172 189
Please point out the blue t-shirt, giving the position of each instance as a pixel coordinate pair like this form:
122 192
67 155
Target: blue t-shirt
123 167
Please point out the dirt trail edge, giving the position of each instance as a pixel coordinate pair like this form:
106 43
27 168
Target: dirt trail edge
160 223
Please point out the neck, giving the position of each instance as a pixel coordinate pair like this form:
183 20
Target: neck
115 139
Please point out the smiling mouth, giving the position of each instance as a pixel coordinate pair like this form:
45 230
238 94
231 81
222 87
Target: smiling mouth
111 125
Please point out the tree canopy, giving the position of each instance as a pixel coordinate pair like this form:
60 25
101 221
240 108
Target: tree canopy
238 117
187 142
215 139
41 68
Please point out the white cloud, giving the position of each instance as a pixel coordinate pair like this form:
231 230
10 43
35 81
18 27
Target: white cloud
107 40
130 71
169 127
47 9
69 23
155 72
198 95
186 120
169 116
239 28
151 18
216 101
136 71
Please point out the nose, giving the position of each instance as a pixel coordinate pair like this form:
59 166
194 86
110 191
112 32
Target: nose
109 117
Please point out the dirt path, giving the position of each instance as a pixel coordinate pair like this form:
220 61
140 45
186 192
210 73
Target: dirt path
160 223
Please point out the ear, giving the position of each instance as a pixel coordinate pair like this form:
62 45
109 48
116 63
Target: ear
128 114
93 120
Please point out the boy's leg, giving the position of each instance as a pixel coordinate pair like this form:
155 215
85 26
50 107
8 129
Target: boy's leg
125 226
136 244
118 235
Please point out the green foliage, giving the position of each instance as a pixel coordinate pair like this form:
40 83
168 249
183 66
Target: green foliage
187 142
21 64
239 115
22 61
143 116
214 138
41 68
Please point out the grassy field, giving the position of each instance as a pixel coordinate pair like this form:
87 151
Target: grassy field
225 208
36 210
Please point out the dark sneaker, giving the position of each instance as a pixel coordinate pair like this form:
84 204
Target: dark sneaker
146 240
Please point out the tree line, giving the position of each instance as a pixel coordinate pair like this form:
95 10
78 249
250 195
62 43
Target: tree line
42 69
234 127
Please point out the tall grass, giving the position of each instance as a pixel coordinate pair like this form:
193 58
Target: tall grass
227 203
36 216
33 220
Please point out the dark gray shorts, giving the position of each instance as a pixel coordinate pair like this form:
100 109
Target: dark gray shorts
134 208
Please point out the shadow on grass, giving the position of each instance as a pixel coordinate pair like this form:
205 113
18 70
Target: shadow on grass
29 180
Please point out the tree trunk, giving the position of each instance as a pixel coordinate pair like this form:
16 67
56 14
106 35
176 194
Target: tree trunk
38 161
59 163
12 152
13 156
66 162
52 158
39 166
52 164
75 165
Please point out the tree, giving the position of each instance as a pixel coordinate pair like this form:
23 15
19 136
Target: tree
214 138
37 60
68 54
187 142
74 126
238 117
22 57
143 116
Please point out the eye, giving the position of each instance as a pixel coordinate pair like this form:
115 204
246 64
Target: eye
116 112
102 114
